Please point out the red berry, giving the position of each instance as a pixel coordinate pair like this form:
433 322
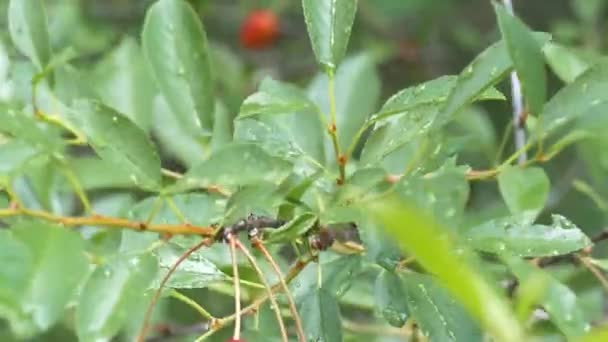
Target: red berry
260 29
234 340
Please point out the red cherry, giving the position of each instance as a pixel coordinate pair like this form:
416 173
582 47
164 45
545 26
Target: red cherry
260 29
234 340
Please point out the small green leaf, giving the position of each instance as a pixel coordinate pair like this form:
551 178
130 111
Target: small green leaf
576 99
112 294
27 24
390 298
518 236
292 229
276 97
123 83
527 57
487 69
320 315
14 155
24 127
117 140
236 164
525 190
193 273
565 62
175 46
329 24
415 232
52 264
440 317
557 299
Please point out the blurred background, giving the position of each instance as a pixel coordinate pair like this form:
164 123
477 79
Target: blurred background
409 41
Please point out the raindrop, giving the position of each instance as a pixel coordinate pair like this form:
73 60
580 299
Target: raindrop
133 178
501 246
115 119
181 71
134 261
107 273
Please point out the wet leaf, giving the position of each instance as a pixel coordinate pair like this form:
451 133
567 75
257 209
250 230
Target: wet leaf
520 237
175 46
525 190
390 298
320 315
329 24
28 29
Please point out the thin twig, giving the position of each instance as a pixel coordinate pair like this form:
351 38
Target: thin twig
273 302
597 273
142 333
188 301
292 305
518 107
110 222
237 289
332 129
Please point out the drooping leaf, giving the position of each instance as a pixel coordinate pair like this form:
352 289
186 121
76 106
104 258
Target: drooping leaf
320 315
415 232
123 83
518 236
440 317
193 273
112 294
527 57
525 190
329 24
28 28
557 299
276 97
117 140
390 298
175 46
52 264
576 99
236 164
487 69
565 62
357 91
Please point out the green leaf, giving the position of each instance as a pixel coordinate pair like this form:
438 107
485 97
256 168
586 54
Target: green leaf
236 164
122 82
357 91
440 317
52 264
487 69
175 46
415 233
566 63
557 299
276 97
433 92
338 273
27 25
525 190
320 315
193 273
329 24
95 173
442 193
527 57
118 141
518 236
111 296
24 127
292 229
14 155
390 298
576 99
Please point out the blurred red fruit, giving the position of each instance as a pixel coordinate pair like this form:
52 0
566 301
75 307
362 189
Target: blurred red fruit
234 340
260 29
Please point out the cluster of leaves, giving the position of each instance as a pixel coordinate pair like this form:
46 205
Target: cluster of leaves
77 150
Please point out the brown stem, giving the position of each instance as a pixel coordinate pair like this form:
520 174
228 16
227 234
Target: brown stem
237 289
292 305
273 302
142 333
110 222
597 273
